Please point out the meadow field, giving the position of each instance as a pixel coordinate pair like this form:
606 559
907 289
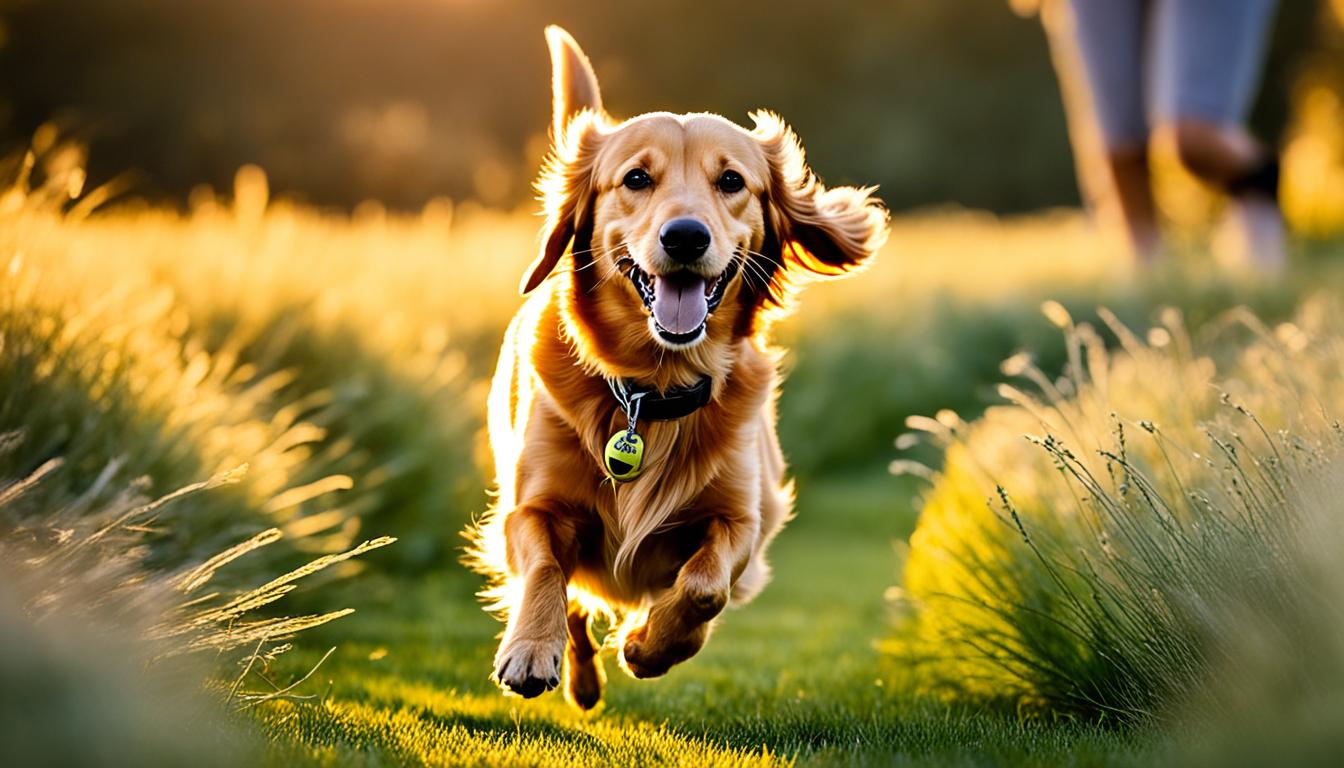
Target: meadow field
221 429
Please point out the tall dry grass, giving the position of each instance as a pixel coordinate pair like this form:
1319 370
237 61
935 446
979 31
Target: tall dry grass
1101 546
110 405
313 347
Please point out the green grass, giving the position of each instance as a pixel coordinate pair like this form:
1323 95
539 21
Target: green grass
793 675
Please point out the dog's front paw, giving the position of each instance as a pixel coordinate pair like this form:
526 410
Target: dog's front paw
528 667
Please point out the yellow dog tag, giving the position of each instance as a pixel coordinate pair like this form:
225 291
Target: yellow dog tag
625 456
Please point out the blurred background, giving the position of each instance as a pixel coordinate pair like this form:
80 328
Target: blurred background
405 100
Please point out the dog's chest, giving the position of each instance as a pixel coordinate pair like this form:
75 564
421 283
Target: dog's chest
659 558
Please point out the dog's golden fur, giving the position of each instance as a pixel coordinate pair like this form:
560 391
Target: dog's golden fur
669 550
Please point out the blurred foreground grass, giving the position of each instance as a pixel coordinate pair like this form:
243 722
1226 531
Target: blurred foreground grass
344 359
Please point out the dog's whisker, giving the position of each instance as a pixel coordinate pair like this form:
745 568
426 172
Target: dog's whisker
751 279
755 270
760 255
748 276
758 267
752 267
612 269
599 252
586 250
602 280
761 276
589 265
596 251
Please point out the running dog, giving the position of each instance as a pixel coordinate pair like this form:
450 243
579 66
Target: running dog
632 413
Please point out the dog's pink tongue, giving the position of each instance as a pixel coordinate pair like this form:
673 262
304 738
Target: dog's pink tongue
679 304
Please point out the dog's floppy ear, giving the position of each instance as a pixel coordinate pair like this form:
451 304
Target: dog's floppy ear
818 231
565 183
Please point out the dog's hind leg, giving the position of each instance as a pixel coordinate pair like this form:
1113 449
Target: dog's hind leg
541 552
583 667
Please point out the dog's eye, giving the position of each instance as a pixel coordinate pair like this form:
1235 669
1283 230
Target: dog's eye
637 178
730 182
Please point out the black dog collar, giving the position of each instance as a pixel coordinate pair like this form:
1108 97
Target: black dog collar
675 403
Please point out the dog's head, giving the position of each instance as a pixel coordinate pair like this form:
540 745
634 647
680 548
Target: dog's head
685 230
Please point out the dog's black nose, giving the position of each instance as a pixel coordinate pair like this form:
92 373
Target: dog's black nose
685 240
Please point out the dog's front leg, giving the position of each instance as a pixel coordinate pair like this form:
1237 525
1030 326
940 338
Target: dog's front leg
541 551
678 623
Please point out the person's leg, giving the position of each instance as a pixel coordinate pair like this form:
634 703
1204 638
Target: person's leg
1217 153
1089 151
1209 54
1134 191
1105 40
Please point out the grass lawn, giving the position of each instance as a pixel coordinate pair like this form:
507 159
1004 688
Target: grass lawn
793 676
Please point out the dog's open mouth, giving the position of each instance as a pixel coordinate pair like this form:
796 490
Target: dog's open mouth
680 302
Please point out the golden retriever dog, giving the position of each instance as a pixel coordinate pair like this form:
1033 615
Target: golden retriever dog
632 413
